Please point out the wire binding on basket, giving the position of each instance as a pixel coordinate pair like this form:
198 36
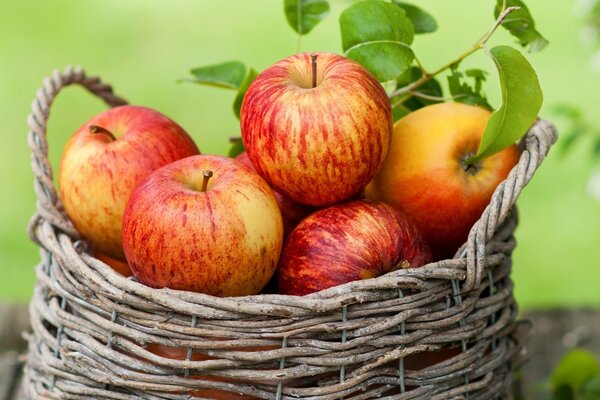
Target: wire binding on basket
91 325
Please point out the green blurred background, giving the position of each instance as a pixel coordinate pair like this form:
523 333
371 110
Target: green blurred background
142 47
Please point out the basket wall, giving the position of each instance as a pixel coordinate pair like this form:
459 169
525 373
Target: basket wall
95 333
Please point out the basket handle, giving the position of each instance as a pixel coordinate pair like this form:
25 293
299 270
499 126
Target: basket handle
535 146
48 206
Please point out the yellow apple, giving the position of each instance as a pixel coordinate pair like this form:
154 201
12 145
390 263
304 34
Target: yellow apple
426 177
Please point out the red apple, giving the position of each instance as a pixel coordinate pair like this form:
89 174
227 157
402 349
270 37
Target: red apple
316 127
120 266
106 159
425 175
292 212
176 353
348 242
205 224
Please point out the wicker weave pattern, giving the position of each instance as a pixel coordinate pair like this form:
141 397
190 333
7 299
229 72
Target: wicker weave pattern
90 325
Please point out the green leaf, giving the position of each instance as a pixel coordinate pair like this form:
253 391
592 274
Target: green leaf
521 25
227 75
378 35
237 104
521 102
304 15
399 110
462 92
431 88
423 21
237 147
575 368
479 76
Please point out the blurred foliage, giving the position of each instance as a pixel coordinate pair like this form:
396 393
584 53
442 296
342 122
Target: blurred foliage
576 376
589 11
579 127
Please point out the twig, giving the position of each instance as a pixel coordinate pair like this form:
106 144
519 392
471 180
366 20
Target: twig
420 66
430 97
477 46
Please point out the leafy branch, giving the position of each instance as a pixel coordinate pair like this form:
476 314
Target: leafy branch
480 44
379 35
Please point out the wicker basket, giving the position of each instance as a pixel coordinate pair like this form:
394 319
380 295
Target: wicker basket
361 340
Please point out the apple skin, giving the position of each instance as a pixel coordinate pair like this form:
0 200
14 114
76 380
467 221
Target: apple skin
292 212
225 241
356 240
97 174
321 145
120 266
176 353
424 177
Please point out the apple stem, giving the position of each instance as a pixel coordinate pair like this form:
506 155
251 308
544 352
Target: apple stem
98 129
471 165
313 63
404 264
206 175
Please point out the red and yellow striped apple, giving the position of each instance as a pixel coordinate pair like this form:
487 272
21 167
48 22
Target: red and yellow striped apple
316 126
106 159
347 242
205 224
292 212
425 175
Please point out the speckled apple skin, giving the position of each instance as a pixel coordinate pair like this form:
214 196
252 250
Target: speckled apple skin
97 175
292 212
225 241
320 145
347 242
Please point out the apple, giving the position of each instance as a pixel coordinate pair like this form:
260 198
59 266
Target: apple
316 126
120 266
426 177
204 224
292 212
356 240
105 159
177 353
426 359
